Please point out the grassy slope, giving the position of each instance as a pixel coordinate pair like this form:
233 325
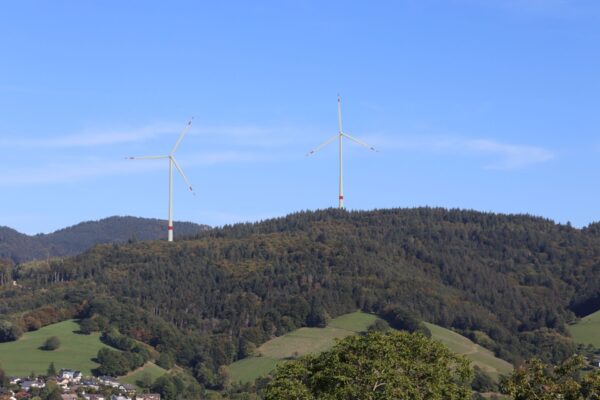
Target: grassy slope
301 341
75 352
480 356
587 330
248 369
149 368
314 340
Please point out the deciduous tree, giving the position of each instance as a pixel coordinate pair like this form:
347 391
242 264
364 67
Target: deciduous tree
537 380
391 365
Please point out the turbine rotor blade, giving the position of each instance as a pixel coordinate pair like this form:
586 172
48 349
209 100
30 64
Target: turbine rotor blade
325 143
183 175
183 133
146 158
340 114
363 144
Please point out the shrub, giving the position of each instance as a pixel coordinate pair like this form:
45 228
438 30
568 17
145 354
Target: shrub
52 343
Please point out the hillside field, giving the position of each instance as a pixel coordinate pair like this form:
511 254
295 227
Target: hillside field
76 351
298 343
153 370
315 340
587 330
479 356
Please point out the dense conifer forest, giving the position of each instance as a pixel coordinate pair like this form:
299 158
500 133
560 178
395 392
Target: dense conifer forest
509 282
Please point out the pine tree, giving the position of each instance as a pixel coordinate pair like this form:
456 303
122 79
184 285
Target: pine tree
51 369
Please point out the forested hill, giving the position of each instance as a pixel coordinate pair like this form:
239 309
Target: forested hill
73 240
508 282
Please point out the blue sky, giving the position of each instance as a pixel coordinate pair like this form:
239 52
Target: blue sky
482 104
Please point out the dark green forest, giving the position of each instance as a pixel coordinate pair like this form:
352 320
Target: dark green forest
19 247
511 282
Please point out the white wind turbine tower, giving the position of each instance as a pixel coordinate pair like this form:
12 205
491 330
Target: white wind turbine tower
340 136
172 161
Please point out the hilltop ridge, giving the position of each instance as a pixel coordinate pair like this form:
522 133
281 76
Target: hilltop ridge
75 239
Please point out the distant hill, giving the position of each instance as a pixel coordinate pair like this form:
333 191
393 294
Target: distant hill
73 240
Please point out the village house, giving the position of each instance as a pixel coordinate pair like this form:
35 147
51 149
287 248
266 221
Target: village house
72 381
14 380
128 388
69 375
35 383
6 394
90 384
94 397
108 381
67 378
148 396
119 397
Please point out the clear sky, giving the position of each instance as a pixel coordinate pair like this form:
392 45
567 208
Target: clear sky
490 105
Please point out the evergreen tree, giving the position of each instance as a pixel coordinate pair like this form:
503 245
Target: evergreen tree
51 369
3 378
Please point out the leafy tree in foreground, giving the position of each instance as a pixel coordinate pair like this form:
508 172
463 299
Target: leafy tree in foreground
537 380
391 365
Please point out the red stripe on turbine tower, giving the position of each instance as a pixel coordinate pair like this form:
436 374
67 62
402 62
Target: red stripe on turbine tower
170 228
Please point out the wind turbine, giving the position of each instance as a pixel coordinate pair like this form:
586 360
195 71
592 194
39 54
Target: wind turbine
340 136
172 161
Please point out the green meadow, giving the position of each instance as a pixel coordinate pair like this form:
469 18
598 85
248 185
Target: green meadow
587 330
76 351
153 371
479 356
250 368
298 343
